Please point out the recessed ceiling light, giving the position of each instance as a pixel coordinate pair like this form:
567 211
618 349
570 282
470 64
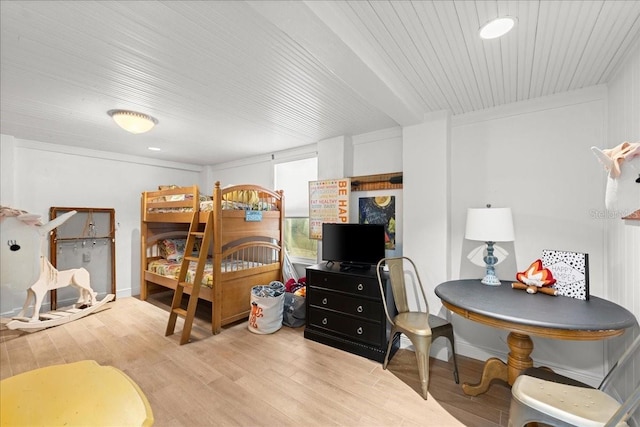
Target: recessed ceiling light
497 27
154 149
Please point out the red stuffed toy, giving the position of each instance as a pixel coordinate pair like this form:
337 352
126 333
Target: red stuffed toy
298 288
536 279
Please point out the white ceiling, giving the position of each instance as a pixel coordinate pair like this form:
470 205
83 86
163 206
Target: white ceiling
228 80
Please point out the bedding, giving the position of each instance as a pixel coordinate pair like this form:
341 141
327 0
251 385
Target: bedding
206 205
167 268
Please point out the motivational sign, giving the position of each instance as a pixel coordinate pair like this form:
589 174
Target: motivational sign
328 202
571 271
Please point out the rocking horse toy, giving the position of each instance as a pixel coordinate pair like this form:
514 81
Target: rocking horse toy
23 265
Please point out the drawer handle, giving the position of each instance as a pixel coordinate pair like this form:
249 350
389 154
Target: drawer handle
324 301
359 330
325 321
360 286
359 309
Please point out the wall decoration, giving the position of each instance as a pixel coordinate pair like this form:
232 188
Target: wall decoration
633 215
328 202
380 210
622 195
571 271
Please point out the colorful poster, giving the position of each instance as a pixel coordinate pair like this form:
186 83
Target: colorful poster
380 210
328 202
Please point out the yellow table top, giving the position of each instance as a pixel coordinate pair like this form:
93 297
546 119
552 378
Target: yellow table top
75 394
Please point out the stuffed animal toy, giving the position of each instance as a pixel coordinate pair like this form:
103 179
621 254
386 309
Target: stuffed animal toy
536 279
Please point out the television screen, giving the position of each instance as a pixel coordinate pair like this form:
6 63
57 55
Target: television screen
353 245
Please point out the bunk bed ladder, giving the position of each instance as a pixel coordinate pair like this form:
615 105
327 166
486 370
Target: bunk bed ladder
206 237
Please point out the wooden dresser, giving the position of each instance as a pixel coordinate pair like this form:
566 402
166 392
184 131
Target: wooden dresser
345 311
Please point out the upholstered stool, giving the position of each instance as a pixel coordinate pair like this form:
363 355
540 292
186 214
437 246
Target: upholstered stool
75 394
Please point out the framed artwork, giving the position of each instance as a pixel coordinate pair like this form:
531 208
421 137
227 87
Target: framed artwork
571 271
380 210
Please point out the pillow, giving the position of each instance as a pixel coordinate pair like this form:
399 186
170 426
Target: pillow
172 249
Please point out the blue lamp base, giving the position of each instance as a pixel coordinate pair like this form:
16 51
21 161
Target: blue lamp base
490 260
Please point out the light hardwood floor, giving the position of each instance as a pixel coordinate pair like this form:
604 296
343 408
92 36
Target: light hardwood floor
240 378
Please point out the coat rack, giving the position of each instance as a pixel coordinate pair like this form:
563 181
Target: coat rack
387 181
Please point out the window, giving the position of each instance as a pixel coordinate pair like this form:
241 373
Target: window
293 178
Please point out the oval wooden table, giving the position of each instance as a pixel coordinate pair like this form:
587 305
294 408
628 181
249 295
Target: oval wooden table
523 315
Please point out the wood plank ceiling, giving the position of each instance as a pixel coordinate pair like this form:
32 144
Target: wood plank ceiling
231 79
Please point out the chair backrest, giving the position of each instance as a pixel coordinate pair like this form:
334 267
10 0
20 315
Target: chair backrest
399 267
622 382
626 410
622 364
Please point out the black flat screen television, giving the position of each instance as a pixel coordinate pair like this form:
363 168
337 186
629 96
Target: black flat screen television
353 245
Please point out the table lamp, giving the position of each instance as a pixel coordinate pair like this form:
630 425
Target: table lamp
489 225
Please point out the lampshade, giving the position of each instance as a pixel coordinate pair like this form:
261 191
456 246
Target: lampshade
489 225
132 121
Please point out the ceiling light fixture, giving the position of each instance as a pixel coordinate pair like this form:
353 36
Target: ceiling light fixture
497 27
132 121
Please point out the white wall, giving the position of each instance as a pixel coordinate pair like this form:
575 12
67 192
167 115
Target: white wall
426 200
377 152
534 157
623 237
254 170
37 176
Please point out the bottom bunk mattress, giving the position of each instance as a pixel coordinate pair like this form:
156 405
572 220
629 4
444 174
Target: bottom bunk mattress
170 268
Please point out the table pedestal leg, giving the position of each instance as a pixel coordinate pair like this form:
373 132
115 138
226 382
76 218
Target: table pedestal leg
494 368
519 359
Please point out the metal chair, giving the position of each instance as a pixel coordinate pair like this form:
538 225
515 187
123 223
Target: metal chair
420 327
539 395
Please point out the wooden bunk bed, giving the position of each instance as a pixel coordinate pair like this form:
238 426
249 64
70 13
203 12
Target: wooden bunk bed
247 248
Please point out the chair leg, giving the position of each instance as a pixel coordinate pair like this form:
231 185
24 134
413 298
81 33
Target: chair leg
392 336
453 353
422 345
423 371
447 332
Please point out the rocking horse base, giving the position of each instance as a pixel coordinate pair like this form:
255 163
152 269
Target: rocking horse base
57 317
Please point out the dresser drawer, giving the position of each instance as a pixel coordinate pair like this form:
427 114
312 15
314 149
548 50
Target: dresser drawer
356 285
353 328
367 309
